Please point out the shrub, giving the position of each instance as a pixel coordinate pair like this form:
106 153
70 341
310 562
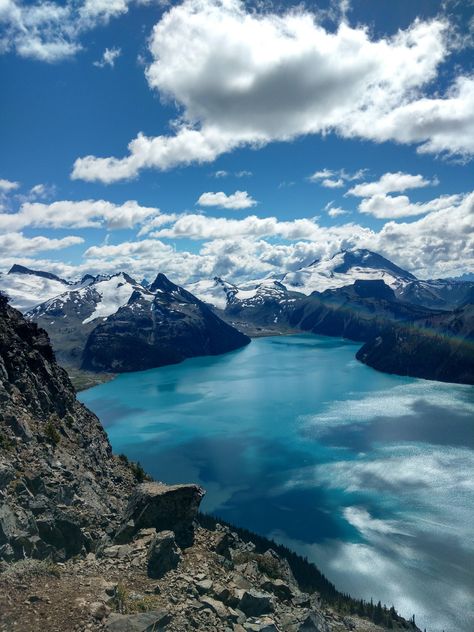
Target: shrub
51 433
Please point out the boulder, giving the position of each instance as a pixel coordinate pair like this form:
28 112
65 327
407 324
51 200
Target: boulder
279 588
216 606
314 622
162 507
204 586
163 555
153 621
254 603
225 544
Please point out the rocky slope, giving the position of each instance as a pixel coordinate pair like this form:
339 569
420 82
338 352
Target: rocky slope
60 486
85 544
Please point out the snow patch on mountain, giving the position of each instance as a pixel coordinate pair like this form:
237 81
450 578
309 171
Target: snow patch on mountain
113 293
344 268
214 291
26 290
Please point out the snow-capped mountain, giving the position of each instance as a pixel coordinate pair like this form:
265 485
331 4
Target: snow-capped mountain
93 297
216 291
114 323
221 294
160 325
344 268
27 288
341 270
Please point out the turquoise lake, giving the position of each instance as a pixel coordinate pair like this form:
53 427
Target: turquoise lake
369 475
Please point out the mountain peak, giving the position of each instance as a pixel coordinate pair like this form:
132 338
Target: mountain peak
162 283
19 269
361 257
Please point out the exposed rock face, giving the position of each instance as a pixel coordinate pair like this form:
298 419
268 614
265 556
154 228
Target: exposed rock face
162 507
163 327
163 554
61 488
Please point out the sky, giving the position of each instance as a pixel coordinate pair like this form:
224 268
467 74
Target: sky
220 138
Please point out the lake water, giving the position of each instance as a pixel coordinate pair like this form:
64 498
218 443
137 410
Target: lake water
369 475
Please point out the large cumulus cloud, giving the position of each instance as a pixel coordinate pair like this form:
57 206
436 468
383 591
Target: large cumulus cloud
242 77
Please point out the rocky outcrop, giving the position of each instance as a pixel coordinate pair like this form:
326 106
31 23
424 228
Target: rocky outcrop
162 507
113 590
163 554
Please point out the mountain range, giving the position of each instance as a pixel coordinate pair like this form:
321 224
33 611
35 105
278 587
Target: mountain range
341 270
421 328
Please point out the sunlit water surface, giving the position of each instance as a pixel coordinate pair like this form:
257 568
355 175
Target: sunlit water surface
369 475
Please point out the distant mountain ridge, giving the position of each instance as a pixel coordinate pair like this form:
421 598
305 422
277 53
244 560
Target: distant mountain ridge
114 323
342 269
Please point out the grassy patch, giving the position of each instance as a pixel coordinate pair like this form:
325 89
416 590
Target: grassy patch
27 568
82 380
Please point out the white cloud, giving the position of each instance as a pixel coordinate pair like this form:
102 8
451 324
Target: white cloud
221 173
332 184
8 185
17 243
332 179
236 201
77 214
336 211
438 244
50 31
194 226
376 202
248 78
391 183
109 56
393 207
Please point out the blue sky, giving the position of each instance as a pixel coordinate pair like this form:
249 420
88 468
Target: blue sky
341 125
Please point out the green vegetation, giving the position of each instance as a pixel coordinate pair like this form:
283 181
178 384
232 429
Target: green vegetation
310 579
125 602
120 598
51 433
29 567
136 468
5 443
82 380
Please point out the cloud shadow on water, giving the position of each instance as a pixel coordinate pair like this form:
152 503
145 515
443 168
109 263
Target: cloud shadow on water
427 423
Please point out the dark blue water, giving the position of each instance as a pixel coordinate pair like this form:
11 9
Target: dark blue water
369 475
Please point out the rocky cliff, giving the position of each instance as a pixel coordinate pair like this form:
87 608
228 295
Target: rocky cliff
87 543
60 486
